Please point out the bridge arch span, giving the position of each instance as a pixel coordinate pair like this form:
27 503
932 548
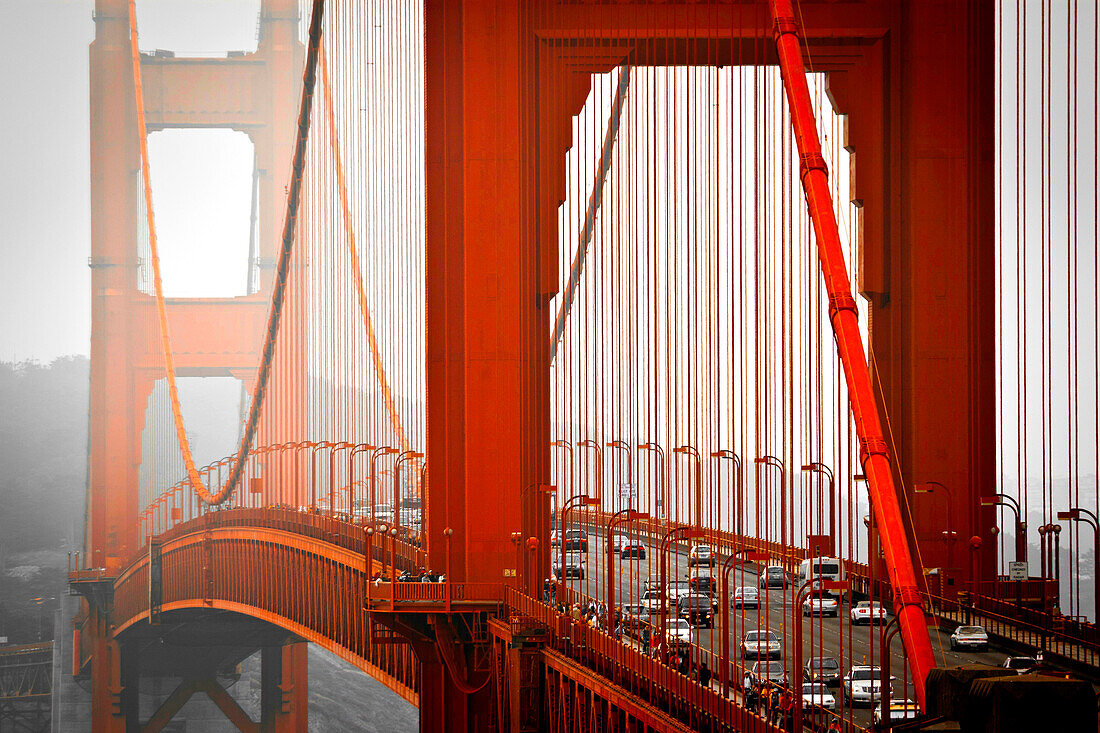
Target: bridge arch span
301 573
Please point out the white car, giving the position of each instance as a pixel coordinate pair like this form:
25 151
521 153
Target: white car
651 599
817 695
677 589
898 710
969 637
618 542
819 604
746 597
677 631
761 644
701 555
382 513
868 612
862 686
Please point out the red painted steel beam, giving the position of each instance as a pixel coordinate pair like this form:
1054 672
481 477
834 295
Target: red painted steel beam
874 455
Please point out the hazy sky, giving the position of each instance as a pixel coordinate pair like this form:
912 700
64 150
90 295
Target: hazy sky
44 179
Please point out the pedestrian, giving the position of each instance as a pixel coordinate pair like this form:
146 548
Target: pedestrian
786 710
752 697
704 674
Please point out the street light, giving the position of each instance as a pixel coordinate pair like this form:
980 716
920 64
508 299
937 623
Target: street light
1021 528
332 475
549 490
773 461
821 468
629 467
739 478
727 565
675 533
580 500
624 515
569 447
948 535
361 448
403 457
599 464
1080 514
840 586
691 451
662 499
382 450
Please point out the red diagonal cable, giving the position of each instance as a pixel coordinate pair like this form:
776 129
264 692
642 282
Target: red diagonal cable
873 452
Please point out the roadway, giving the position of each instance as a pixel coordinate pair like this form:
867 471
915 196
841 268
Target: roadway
828 637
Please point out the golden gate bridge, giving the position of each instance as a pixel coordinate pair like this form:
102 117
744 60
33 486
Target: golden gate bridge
608 366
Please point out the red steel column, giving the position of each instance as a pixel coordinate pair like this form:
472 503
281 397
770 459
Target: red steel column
940 382
487 323
112 492
284 682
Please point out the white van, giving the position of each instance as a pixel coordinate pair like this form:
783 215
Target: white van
820 568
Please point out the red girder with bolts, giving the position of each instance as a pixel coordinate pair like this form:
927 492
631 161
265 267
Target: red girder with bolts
503 80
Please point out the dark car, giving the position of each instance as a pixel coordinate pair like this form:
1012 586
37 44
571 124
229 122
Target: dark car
703 584
632 548
576 540
696 609
773 576
822 669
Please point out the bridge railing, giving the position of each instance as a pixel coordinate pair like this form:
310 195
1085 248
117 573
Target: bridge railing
1030 627
648 677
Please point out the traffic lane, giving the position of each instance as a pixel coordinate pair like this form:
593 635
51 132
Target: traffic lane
773 614
860 644
821 637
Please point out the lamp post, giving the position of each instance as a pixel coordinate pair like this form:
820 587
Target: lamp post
1021 527
403 457
361 448
773 461
821 468
333 447
1079 514
629 468
566 445
662 499
812 584
675 533
579 500
888 633
739 486
688 450
599 464
382 450
948 535
727 566
548 489
624 515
